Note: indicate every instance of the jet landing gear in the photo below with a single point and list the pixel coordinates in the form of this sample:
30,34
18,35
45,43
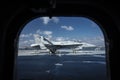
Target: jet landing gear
74,51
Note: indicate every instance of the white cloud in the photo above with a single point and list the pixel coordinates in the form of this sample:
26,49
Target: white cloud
55,19
25,40
39,31
69,28
96,40
46,20
30,34
49,37
23,43
60,39
47,32
25,35
31,41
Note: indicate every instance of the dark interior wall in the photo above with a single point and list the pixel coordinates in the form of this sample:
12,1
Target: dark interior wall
14,14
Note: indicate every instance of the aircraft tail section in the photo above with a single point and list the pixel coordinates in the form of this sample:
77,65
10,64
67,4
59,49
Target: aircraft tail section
39,40
49,42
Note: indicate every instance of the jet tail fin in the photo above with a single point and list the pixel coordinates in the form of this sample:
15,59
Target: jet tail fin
39,40
48,41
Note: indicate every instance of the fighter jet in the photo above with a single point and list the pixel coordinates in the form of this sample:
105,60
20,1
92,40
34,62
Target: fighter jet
53,46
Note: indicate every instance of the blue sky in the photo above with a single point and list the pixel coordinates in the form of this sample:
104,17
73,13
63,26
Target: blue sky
62,28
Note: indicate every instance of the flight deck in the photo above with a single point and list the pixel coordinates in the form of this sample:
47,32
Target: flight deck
65,65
